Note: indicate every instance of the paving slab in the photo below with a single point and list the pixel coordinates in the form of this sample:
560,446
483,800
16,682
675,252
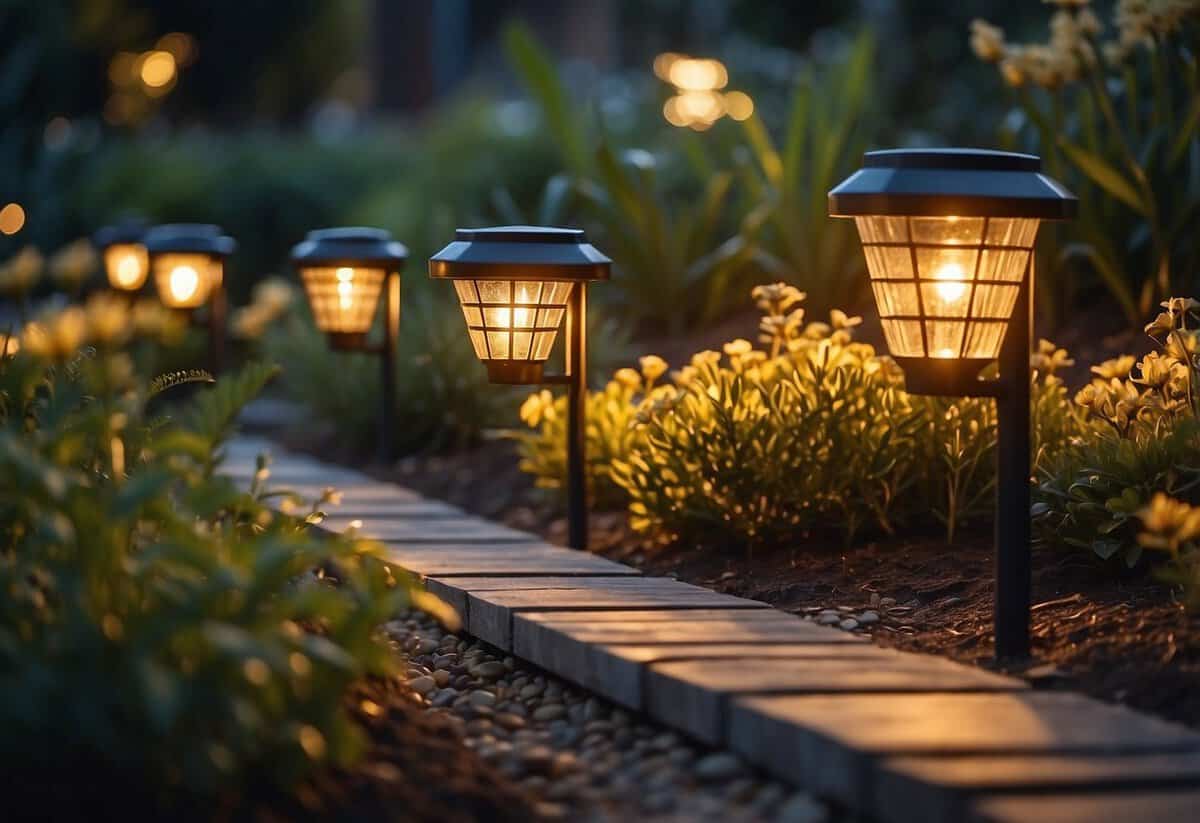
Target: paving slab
366,491
510,560
693,695
490,613
391,509
1176,806
833,744
446,530
941,789
618,672
457,590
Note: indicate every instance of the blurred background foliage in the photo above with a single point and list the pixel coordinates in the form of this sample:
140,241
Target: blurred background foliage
419,116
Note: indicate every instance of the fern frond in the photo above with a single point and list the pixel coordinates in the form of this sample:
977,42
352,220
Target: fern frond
171,379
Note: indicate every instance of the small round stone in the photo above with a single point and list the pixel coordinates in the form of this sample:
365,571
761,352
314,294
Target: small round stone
848,624
868,617
550,711
489,670
423,684
482,698
441,677
509,720
718,767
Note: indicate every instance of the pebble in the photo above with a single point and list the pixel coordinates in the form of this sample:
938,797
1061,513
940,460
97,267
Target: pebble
441,677
829,618
510,721
550,711
802,808
444,698
482,698
718,767
489,670
868,617
848,624
422,685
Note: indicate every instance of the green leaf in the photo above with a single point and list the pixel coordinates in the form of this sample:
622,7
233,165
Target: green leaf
536,69
1104,175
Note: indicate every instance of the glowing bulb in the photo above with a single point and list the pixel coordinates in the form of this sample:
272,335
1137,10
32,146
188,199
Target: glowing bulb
503,319
345,287
184,282
129,270
944,353
953,289
521,318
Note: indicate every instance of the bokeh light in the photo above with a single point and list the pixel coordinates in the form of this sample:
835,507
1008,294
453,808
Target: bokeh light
157,69
12,218
698,102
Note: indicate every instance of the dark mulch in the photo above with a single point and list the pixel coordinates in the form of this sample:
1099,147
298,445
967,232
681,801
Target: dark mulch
416,770
1116,634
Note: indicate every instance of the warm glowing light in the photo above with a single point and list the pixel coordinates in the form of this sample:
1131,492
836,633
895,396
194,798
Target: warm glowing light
126,266
512,321
181,46
12,218
157,68
946,286
184,282
738,105
698,74
344,299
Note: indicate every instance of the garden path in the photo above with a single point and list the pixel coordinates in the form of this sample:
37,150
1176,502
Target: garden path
893,735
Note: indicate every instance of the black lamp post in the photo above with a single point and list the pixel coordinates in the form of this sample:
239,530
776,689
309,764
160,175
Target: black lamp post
126,263
948,235
345,271
516,283
188,264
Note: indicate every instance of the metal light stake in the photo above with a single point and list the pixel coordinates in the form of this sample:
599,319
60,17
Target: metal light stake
949,235
516,284
187,261
345,272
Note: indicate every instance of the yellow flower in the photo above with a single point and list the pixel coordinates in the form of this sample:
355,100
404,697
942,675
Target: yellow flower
153,320
274,294
1168,523
1157,370
653,367
628,378
987,41
20,274
107,320
1163,324
250,322
71,265
56,336
708,357
841,321
1048,358
537,407
738,347
1118,367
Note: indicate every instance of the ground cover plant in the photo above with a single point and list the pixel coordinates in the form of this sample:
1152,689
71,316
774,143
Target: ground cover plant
160,623
757,446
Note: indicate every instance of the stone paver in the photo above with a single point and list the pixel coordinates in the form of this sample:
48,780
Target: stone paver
940,790
1176,806
897,736
833,744
693,695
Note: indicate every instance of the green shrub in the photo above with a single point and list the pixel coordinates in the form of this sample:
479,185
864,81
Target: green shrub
1173,527
813,432
161,629
1143,438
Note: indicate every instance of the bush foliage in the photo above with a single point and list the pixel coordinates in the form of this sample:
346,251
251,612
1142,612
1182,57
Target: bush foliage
161,628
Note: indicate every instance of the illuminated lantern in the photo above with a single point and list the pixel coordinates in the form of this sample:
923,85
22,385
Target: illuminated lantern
187,260
516,285
126,262
948,236
345,271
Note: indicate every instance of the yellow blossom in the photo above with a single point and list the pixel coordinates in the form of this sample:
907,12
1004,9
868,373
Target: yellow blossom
738,347
21,273
653,367
107,320
628,378
1168,523
72,264
1118,367
537,407
987,41
57,336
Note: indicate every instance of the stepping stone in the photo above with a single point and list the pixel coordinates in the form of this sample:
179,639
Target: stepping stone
1163,806
618,672
447,530
457,590
297,474
490,613
390,510
693,695
534,559
366,491
833,744
940,790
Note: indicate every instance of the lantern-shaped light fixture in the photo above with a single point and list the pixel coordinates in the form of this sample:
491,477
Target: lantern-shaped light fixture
344,271
126,263
515,284
187,260
948,235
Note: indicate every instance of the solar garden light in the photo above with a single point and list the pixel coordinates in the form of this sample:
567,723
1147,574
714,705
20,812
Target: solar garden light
345,271
188,262
516,283
948,235
126,263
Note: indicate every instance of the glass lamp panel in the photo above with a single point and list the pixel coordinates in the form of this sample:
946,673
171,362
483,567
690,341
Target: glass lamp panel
889,262
185,280
127,266
984,339
948,298
511,320
945,337
994,301
344,299
1004,264
896,299
947,264
904,337
955,231
1020,231
880,229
